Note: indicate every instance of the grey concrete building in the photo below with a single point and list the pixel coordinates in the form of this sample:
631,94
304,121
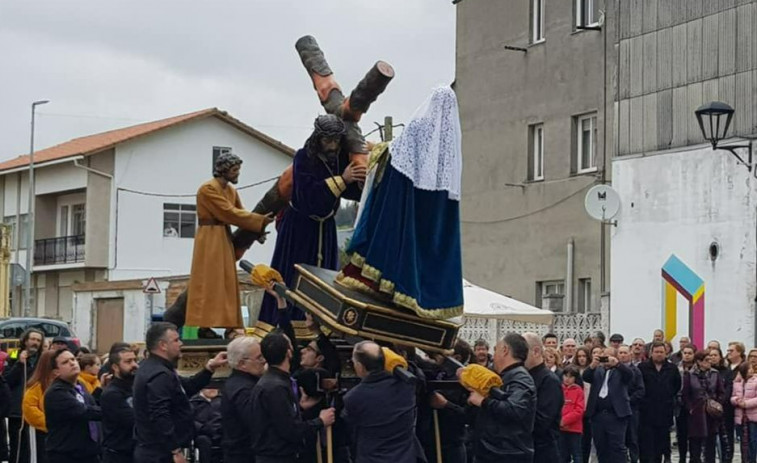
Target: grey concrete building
675,55
536,137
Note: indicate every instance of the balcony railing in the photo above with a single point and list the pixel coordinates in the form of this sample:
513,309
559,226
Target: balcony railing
61,250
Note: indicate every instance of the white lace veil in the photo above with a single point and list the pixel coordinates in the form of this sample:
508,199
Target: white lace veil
429,151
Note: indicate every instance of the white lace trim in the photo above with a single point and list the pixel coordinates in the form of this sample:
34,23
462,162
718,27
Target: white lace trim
429,150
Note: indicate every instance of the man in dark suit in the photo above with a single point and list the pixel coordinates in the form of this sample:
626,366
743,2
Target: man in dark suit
635,395
248,365
278,429
662,381
381,411
549,402
609,406
163,424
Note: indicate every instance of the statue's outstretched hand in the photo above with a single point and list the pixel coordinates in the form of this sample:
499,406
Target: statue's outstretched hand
354,173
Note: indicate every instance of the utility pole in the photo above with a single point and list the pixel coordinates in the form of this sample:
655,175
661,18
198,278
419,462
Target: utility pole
388,128
30,216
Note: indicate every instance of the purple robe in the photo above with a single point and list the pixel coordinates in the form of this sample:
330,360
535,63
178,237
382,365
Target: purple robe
307,228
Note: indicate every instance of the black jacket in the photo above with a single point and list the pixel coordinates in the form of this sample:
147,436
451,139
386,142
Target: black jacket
118,417
380,413
5,400
277,428
660,391
620,377
68,413
504,428
207,418
636,388
161,405
549,402
16,379
236,412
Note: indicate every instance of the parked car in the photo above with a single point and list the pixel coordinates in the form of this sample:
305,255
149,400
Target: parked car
12,328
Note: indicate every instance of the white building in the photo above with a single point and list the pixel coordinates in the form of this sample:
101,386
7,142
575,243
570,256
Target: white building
695,210
120,205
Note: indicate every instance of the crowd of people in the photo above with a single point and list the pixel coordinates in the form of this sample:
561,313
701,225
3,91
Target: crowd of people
552,402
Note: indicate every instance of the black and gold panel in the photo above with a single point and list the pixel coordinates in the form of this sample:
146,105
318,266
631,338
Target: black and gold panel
356,314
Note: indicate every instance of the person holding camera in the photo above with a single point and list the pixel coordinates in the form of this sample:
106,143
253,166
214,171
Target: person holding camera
703,396
609,407
18,371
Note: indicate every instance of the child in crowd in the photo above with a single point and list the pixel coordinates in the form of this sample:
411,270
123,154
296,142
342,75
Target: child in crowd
571,425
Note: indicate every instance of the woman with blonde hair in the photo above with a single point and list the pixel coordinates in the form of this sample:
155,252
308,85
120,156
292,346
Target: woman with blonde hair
553,360
33,405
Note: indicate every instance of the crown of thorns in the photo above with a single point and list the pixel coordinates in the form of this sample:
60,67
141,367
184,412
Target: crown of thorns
329,126
224,162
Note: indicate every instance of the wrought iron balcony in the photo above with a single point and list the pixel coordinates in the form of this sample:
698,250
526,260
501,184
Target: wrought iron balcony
61,250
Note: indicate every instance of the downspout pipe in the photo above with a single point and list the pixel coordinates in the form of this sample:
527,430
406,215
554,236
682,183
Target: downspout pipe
569,308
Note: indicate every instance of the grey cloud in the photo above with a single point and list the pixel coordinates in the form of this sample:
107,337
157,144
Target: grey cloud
141,60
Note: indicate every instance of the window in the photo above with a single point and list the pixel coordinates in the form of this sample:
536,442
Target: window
584,295
586,143
536,152
63,230
537,21
553,292
586,13
11,220
78,219
217,151
179,220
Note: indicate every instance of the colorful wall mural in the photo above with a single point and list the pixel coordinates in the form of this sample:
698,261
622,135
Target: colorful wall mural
678,278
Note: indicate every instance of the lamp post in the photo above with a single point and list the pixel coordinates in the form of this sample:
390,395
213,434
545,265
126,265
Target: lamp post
714,120
30,219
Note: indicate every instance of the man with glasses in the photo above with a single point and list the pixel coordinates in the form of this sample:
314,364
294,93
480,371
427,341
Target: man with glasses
637,351
248,365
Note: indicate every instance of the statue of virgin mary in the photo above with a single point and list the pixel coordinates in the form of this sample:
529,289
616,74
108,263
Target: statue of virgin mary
406,244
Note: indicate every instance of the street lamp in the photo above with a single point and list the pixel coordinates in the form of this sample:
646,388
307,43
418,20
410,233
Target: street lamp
714,121
30,219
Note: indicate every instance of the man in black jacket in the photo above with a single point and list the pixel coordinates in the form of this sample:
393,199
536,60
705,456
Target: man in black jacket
662,381
381,411
609,406
549,402
117,408
18,370
635,395
248,365
163,416
70,415
504,428
277,427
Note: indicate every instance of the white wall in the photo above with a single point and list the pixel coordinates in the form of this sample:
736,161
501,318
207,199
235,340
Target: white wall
136,312
177,161
678,203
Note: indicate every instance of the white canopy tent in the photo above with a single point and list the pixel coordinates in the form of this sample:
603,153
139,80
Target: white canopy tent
480,302
488,315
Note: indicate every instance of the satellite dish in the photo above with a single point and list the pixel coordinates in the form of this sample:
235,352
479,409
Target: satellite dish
602,202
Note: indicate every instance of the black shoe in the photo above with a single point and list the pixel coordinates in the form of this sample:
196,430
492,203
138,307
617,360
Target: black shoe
207,333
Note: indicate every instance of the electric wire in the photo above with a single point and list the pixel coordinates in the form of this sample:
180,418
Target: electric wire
192,195
527,214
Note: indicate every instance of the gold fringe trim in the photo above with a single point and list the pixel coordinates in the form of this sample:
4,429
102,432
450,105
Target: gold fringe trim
388,287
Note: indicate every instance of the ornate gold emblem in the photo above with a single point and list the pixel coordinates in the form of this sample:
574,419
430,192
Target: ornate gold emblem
350,317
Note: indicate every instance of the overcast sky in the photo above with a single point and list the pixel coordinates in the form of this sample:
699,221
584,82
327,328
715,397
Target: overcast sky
110,64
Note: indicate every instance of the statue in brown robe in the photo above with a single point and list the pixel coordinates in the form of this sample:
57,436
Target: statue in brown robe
213,293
